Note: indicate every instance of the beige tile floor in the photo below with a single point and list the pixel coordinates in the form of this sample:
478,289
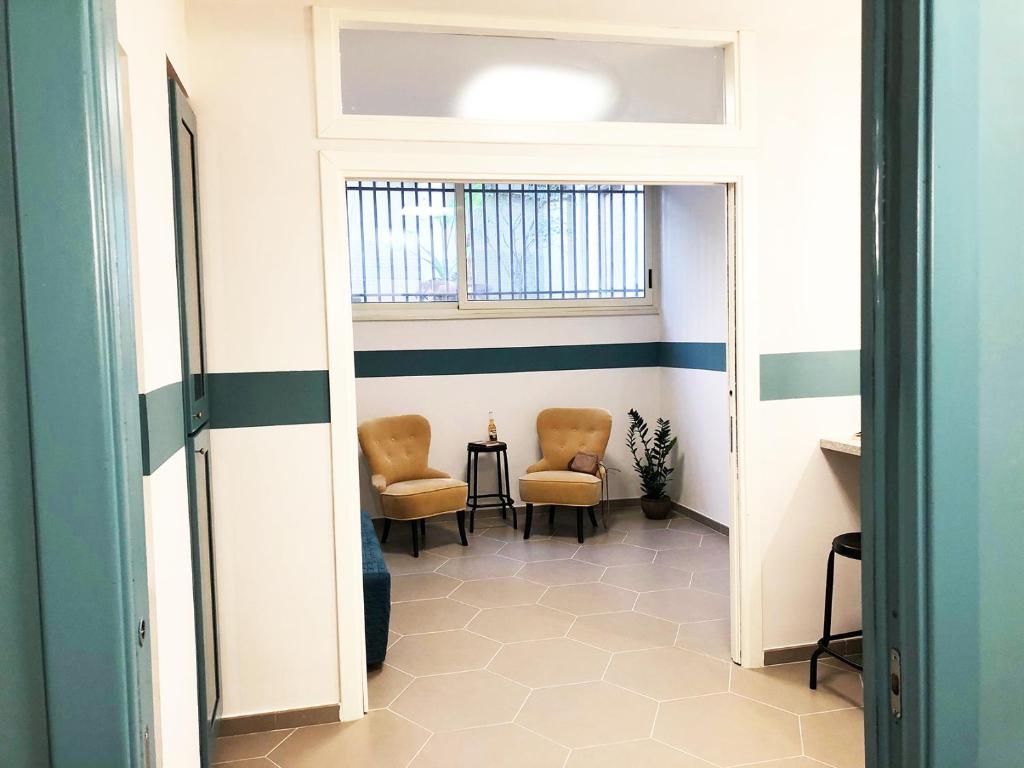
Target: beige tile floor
546,654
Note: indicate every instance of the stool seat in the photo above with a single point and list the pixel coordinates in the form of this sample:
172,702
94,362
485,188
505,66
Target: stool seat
847,545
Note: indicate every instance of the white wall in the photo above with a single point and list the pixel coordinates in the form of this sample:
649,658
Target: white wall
252,88
693,229
149,34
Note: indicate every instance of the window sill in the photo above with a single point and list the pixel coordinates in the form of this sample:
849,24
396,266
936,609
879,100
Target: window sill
362,313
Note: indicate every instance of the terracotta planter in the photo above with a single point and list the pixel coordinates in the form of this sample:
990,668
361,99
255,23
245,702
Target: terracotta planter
656,509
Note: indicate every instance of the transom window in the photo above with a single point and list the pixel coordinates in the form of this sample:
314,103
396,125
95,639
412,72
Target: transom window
498,246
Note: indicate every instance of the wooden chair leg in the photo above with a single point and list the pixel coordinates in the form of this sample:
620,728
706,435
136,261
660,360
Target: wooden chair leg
460,516
415,538
386,532
593,517
579,524
529,521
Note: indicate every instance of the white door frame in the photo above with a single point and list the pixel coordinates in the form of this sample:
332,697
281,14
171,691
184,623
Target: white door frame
475,162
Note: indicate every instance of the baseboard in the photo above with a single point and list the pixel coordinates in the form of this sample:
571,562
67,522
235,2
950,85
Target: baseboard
275,721
714,525
803,652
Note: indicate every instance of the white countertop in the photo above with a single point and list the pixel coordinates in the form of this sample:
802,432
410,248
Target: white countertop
849,444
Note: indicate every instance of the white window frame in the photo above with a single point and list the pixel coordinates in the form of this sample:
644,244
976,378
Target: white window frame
466,308
332,123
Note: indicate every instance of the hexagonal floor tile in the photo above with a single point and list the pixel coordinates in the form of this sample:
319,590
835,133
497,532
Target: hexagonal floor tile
420,616
584,599
683,605
786,762
483,567
516,623
421,586
646,752
712,581
614,554
836,738
495,593
507,533
663,539
477,546
556,573
689,525
248,746
381,739
393,637
536,551
715,542
543,663
441,652
646,578
588,714
462,700
624,631
496,746
634,520
668,673
728,730
384,684
402,563
710,637
565,530
785,686
694,560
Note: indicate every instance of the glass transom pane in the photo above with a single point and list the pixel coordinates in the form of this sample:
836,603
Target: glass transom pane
474,76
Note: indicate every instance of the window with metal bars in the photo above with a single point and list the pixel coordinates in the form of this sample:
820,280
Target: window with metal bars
487,245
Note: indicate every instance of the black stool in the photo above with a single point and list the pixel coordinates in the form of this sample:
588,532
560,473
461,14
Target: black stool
844,545
504,494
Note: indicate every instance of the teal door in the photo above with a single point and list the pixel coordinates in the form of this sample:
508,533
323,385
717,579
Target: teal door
23,732
69,276
943,382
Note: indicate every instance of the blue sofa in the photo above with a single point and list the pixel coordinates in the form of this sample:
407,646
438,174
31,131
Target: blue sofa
376,595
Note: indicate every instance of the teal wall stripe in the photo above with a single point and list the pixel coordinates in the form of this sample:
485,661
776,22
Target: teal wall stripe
272,398
268,398
792,375
453,362
698,355
163,425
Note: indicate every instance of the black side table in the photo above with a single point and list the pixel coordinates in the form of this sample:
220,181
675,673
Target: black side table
504,494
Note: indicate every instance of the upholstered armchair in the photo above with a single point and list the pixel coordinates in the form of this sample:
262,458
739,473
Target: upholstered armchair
396,449
564,432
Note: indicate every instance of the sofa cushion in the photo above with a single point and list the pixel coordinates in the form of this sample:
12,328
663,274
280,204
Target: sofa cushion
573,489
413,499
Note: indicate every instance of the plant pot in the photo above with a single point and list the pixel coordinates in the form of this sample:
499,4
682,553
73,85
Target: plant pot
656,509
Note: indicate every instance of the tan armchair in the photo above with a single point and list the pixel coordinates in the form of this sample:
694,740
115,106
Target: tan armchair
564,432
396,448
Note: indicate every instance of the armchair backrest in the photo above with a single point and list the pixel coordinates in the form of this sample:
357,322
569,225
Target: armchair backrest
564,432
396,447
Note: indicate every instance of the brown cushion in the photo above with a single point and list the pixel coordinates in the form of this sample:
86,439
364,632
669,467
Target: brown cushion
413,499
572,489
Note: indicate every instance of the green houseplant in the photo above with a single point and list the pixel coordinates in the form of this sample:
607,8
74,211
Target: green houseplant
651,453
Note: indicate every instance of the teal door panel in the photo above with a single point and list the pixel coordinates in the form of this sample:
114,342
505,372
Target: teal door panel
83,393
23,731
943,382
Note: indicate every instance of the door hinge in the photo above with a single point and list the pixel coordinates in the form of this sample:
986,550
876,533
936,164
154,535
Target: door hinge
146,752
142,631
650,278
895,684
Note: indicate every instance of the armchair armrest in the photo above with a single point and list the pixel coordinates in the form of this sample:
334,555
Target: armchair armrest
379,482
540,466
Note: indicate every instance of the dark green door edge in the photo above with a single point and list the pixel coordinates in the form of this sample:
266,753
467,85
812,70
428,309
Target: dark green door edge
83,392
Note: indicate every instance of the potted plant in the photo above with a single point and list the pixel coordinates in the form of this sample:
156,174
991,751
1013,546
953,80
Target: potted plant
650,460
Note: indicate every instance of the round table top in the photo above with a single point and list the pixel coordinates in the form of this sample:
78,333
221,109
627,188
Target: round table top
486,446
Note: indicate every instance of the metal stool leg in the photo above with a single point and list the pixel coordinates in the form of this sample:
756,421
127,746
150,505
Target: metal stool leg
476,490
508,491
529,521
501,487
826,635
